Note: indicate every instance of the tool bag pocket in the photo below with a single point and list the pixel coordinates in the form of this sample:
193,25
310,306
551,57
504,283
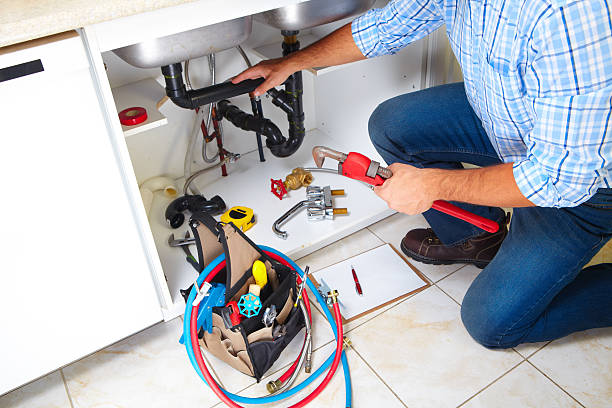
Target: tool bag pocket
246,344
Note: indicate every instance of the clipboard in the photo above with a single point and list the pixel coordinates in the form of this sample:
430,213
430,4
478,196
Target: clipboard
385,277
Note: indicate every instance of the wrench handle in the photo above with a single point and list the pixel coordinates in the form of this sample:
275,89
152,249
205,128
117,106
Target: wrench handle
454,211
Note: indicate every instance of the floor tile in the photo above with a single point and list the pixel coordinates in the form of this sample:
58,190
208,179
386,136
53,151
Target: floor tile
457,284
392,229
46,392
353,324
149,369
354,244
421,350
582,365
234,380
523,387
529,349
368,390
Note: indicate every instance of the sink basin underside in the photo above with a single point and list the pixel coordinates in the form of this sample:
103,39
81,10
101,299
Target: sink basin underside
312,13
187,45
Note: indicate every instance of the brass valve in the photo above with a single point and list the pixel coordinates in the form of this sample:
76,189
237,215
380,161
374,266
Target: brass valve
298,178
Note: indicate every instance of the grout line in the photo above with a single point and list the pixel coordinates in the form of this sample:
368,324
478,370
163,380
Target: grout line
442,290
538,349
451,273
211,368
378,376
490,384
66,388
408,258
453,299
551,380
377,236
384,311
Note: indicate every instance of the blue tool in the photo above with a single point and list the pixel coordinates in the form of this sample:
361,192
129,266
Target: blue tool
249,305
215,297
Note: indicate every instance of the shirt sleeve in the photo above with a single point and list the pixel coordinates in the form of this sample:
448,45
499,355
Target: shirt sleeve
387,30
569,80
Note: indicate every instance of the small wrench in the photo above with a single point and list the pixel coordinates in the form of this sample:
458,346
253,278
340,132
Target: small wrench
184,244
180,242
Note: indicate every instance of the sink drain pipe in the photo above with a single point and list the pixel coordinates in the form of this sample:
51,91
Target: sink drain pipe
289,100
194,98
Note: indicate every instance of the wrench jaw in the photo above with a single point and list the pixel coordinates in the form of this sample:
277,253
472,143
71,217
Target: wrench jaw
353,165
319,153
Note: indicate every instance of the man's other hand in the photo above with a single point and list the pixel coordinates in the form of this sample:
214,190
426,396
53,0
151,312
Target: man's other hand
409,190
276,71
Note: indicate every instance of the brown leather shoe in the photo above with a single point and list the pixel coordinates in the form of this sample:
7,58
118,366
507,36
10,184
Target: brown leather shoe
424,246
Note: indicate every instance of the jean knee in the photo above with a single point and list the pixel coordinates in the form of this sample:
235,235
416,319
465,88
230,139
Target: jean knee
486,326
378,124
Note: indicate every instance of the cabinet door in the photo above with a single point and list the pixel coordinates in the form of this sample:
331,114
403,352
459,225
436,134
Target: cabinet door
74,275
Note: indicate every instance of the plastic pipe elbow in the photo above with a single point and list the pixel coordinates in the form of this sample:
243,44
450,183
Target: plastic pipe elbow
150,186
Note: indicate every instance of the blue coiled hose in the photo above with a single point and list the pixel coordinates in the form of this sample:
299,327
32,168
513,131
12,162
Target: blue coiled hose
297,388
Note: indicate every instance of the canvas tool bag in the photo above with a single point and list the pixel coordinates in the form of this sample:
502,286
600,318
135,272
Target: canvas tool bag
250,346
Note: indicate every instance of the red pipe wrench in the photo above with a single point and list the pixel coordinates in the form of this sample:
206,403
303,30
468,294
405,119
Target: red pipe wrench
359,167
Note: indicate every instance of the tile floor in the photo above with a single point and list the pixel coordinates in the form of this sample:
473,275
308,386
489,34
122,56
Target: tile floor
430,361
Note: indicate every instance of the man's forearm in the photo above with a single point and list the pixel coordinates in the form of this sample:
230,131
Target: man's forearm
492,186
337,48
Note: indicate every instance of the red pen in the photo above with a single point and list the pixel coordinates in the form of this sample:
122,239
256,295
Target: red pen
357,284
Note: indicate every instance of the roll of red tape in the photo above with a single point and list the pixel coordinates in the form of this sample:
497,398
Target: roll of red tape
132,116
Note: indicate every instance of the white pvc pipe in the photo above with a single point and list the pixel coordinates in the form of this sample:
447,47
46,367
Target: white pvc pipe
150,186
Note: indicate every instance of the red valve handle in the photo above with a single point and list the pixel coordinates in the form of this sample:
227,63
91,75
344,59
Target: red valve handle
454,211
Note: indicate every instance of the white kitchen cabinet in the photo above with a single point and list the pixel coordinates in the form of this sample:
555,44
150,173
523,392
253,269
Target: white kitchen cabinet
75,276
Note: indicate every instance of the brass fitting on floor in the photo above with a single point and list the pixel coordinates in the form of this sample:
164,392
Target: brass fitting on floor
308,366
347,343
333,295
297,179
272,386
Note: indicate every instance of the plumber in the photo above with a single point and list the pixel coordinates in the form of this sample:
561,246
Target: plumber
534,113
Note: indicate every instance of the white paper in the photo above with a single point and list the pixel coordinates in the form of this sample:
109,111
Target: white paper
383,276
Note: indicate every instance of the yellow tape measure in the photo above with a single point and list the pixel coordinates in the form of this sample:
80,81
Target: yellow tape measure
241,217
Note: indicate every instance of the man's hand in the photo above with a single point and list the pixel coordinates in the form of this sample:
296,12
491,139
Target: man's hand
412,190
335,49
276,71
409,190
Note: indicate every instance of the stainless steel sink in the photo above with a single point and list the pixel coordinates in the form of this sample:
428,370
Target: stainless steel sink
312,13
187,45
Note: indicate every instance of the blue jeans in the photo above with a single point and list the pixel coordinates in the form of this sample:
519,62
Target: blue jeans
535,289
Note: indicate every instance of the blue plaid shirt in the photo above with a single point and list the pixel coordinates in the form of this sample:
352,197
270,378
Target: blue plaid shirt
538,73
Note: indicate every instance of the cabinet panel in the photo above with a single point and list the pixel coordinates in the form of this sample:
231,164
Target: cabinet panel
74,273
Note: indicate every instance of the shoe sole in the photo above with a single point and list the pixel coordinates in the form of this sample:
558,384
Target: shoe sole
432,261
